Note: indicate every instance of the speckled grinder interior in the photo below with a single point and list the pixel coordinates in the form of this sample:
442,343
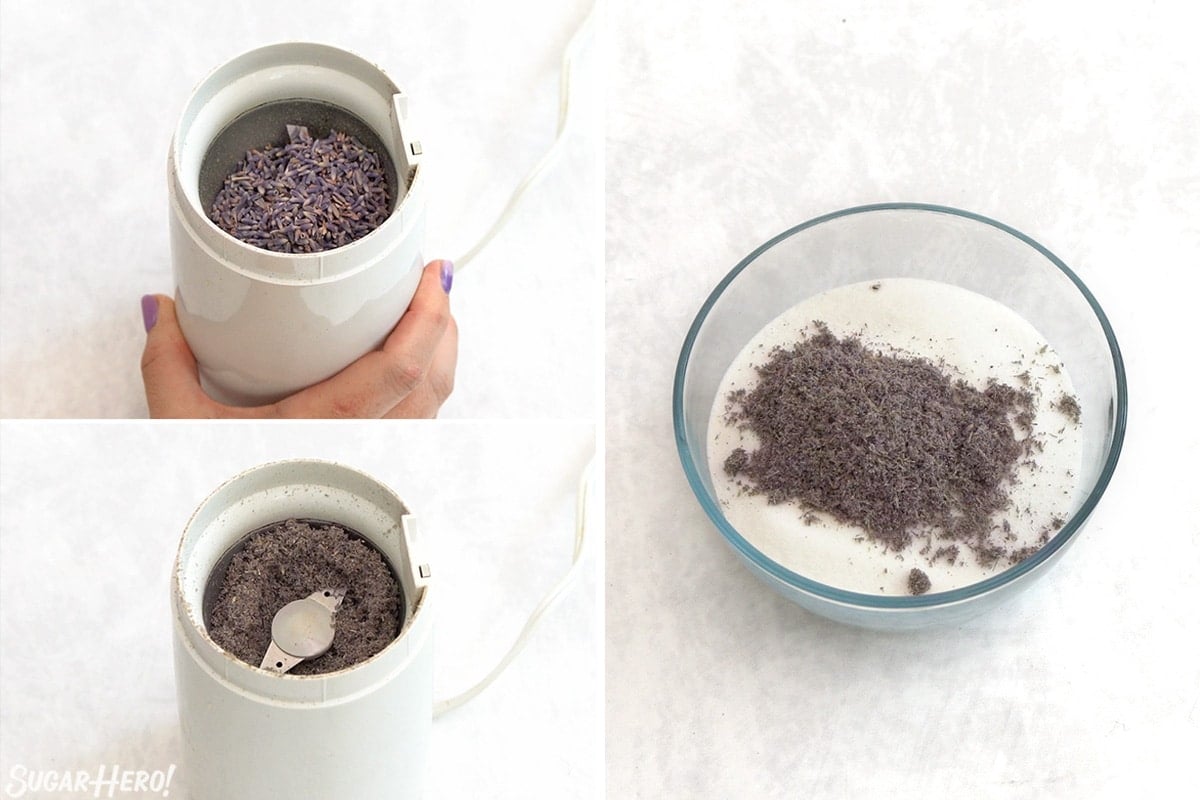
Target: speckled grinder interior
266,126
216,578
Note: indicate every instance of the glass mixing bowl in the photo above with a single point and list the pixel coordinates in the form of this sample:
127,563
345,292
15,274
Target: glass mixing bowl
904,240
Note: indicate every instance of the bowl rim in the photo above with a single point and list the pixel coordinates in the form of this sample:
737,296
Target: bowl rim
896,603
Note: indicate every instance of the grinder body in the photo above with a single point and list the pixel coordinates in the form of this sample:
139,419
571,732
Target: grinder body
250,733
261,324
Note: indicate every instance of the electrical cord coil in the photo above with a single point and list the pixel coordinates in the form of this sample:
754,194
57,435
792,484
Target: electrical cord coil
581,511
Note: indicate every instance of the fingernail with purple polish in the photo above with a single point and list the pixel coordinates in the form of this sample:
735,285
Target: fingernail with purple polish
447,275
150,311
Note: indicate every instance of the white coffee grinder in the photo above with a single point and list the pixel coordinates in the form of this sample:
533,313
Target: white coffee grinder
257,730
265,324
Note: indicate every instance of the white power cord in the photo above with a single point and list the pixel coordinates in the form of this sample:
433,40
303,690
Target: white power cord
531,179
581,497
539,169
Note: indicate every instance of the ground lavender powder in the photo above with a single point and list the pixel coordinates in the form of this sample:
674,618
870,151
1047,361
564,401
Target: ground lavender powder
892,445
918,581
290,560
305,196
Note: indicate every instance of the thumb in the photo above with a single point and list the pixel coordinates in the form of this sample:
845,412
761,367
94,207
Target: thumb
168,367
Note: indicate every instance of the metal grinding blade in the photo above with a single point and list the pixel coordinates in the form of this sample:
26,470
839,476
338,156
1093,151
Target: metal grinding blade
302,629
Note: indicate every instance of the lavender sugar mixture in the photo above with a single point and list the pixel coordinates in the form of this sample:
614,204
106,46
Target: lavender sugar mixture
889,444
290,560
306,196
923,439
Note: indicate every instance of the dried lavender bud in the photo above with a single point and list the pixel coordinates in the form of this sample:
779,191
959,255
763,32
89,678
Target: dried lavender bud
891,445
306,196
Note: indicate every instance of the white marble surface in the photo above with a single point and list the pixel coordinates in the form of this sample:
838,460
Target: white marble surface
90,518
90,94
730,122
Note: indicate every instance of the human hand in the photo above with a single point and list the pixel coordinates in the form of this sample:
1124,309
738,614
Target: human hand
409,377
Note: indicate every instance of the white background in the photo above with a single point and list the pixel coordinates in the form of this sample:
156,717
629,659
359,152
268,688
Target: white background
91,515
1077,124
90,94
727,123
